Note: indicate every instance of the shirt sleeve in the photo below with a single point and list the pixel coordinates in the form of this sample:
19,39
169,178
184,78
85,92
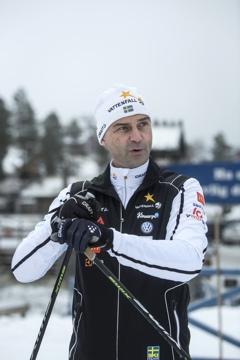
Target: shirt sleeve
179,257
36,254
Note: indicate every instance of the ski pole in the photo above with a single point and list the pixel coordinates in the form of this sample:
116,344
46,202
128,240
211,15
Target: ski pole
51,303
143,311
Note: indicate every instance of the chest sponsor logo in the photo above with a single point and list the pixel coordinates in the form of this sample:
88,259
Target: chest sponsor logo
140,215
153,353
147,227
157,205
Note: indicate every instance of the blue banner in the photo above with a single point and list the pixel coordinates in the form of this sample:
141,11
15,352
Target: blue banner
220,180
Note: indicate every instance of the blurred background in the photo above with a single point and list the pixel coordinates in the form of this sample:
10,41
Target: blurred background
56,58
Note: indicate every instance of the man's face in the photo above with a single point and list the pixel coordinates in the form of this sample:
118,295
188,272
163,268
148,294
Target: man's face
129,141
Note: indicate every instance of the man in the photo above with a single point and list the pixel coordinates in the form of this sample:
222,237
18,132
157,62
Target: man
151,231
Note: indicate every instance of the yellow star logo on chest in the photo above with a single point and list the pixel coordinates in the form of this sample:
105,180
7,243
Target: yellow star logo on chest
149,197
125,94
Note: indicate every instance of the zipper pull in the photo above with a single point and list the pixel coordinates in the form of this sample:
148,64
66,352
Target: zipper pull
121,217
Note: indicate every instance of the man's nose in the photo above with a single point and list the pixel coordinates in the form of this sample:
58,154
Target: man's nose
135,135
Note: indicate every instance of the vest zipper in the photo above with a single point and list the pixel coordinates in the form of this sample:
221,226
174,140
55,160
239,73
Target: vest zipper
177,325
119,278
125,191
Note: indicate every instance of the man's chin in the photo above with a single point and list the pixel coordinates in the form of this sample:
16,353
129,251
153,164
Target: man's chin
137,159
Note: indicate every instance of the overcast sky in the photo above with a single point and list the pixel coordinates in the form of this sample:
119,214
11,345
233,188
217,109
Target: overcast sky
183,55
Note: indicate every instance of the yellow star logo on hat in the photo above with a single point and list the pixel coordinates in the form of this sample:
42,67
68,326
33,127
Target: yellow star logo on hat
149,197
125,94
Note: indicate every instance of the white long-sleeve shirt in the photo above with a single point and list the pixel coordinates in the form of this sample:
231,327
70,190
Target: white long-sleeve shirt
179,257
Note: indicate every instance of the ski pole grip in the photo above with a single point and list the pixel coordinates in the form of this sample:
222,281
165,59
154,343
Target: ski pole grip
89,254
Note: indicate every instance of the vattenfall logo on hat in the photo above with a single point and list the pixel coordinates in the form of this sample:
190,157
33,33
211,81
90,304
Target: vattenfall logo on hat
128,98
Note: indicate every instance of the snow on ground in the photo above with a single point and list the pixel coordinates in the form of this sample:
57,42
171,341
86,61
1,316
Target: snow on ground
204,344
18,334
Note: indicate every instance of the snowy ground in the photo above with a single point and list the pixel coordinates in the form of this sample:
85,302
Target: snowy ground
18,334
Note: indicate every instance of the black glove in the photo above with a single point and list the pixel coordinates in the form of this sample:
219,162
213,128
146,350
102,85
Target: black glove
81,205
81,233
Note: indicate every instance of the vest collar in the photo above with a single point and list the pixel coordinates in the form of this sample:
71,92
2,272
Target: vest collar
102,183
134,176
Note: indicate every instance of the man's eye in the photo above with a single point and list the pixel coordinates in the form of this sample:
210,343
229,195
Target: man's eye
122,128
142,124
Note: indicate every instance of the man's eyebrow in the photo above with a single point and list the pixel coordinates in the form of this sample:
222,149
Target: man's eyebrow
129,123
120,124
144,118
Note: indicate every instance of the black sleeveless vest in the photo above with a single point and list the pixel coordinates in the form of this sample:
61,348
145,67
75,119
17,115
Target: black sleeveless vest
106,326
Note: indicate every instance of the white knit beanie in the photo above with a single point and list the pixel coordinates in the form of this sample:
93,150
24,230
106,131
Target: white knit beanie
116,103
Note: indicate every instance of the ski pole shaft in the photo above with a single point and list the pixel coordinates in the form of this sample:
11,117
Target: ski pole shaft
138,306
51,303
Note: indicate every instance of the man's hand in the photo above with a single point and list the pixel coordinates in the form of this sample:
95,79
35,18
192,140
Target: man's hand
81,233
81,205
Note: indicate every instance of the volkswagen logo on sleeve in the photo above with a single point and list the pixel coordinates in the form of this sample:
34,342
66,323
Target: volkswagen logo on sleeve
147,227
